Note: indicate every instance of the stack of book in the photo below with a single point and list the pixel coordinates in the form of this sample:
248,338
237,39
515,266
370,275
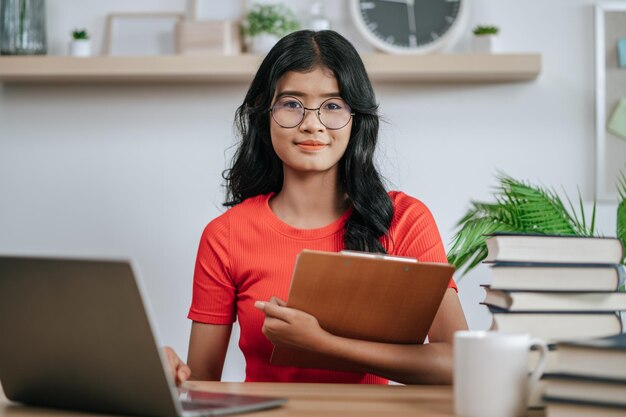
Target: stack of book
590,379
557,288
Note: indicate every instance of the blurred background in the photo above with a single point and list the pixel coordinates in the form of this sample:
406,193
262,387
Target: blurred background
133,170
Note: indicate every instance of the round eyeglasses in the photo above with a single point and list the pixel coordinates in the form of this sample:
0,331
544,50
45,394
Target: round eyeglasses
289,112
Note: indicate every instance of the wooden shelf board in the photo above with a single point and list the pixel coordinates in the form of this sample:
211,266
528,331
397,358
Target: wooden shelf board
241,68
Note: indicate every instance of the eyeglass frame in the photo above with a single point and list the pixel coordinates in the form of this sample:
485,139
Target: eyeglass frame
318,113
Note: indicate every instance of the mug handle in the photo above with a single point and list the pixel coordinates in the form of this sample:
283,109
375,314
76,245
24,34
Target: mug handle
541,366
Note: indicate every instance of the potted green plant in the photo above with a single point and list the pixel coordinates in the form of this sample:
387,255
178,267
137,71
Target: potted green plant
523,208
80,45
485,39
266,23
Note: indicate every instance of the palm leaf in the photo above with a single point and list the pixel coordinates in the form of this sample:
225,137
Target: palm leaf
621,211
519,208
540,210
469,247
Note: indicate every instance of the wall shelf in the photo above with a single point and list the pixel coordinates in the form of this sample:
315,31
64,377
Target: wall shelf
477,68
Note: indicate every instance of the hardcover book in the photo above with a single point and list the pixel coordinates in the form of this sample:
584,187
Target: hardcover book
554,249
554,327
528,301
590,378
575,388
600,358
570,409
556,277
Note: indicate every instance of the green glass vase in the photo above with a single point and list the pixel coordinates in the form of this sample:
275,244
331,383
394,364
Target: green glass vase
22,27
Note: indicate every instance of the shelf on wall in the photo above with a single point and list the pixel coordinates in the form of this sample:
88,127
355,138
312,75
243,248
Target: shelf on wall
479,68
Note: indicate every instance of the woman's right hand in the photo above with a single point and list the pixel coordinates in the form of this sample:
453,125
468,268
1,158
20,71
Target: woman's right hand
178,369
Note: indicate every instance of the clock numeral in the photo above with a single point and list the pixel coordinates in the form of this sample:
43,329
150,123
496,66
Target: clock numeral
449,19
390,39
413,41
452,1
434,35
368,6
372,25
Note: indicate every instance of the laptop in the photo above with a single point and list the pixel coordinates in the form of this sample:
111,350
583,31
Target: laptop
76,334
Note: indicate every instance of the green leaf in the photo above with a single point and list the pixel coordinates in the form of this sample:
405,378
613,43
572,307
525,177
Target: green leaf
518,208
621,211
485,30
275,19
79,34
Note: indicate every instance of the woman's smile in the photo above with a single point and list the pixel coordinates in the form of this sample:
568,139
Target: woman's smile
311,145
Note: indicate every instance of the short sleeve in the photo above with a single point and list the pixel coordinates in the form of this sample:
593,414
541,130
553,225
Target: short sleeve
414,233
214,293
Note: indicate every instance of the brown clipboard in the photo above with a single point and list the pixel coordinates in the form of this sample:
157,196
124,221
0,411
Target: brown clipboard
363,296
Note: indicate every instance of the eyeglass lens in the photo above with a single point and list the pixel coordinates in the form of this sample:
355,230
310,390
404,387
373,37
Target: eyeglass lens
333,113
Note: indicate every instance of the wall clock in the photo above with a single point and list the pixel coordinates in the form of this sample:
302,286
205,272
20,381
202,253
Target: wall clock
410,26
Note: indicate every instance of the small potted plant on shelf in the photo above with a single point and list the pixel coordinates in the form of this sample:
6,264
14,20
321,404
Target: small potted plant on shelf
485,39
80,45
265,24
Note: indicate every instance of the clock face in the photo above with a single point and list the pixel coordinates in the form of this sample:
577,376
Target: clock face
407,25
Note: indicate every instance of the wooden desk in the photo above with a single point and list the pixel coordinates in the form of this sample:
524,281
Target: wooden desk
311,400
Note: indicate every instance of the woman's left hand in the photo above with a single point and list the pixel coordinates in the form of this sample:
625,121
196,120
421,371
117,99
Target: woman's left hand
287,326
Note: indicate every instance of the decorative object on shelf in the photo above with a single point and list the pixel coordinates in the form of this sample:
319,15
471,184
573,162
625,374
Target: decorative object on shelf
621,52
23,27
317,20
410,26
208,30
617,122
80,45
208,37
486,40
610,149
265,24
150,33
524,208
200,10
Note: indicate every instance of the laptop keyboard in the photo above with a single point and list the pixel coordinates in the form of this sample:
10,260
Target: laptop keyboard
202,405
201,400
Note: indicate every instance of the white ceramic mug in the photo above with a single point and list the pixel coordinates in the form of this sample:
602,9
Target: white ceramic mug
491,373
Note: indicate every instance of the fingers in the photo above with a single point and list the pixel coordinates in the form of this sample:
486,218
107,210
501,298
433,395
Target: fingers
172,360
182,373
179,371
278,301
274,310
273,327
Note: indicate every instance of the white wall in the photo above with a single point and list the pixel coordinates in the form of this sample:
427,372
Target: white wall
134,171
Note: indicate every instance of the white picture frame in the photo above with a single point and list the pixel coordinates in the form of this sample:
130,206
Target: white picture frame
140,34
201,10
610,150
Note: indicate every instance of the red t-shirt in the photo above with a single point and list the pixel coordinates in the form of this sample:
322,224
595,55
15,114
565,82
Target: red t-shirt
248,254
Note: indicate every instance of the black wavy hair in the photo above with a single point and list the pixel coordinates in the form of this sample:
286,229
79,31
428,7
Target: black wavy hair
256,169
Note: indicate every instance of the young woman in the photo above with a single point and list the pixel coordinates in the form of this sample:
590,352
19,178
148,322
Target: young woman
303,177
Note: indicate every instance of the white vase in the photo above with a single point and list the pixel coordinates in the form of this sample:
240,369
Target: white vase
261,44
485,44
80,47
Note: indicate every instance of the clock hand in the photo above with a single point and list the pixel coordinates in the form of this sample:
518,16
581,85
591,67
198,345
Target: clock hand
410,4
396,1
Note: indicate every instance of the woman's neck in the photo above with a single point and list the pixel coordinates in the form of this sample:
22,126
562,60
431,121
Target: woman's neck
309,200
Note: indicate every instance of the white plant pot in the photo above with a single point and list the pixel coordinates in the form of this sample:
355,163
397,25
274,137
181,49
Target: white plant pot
261,44
485,44
80,47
